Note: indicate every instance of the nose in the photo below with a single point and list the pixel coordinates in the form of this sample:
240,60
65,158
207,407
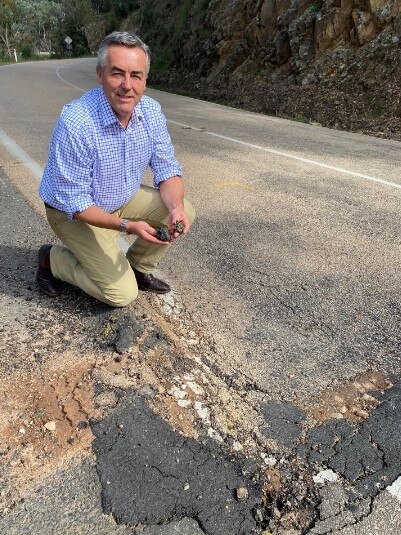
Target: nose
126,82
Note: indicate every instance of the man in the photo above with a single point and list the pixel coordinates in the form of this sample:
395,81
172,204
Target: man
101,147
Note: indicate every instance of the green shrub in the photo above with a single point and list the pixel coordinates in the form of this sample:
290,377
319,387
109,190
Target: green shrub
162,60
183,15
300,119
79,51
315,7
26,51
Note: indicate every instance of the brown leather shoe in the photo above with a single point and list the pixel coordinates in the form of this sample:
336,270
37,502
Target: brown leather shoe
148,283
44,276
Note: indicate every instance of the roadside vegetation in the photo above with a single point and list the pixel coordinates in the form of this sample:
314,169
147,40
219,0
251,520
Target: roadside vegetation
33,29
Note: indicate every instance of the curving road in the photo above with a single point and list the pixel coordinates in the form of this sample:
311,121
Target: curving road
292,268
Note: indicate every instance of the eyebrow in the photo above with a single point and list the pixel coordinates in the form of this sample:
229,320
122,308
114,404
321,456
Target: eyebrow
117,69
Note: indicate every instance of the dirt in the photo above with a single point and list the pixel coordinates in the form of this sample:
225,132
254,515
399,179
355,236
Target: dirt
60,373
353,400
61,395
374,112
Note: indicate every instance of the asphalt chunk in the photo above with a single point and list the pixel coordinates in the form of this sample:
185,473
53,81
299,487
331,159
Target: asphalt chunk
151,475
128,330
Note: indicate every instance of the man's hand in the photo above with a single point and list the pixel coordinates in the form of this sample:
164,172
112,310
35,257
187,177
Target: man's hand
172,194
99,218
178,214
144,231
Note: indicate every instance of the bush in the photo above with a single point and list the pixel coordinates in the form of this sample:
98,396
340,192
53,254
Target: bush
314,8
26,51
80,50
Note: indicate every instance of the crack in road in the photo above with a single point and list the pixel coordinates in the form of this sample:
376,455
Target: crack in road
368,457
296,502
308,322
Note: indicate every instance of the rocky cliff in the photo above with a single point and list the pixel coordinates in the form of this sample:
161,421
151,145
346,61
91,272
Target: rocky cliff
335,62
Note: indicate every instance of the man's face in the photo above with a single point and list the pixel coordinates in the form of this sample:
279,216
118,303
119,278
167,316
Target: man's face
123,79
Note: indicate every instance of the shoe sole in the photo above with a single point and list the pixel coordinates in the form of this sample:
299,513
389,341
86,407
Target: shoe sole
49,294
153,291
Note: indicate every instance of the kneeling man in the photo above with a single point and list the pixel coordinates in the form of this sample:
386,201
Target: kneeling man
92,184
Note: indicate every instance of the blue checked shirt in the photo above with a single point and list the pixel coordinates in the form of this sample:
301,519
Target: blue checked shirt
94,160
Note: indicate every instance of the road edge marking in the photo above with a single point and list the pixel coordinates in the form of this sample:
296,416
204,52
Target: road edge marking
65,81
290,156
21,155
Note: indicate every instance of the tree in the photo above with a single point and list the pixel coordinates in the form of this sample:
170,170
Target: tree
81,23
7,16
37,21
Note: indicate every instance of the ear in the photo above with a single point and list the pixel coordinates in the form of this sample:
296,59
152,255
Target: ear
99,75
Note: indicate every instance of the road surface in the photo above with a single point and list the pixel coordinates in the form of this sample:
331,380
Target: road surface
286,291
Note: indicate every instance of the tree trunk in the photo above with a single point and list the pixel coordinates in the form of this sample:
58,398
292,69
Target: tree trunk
6,41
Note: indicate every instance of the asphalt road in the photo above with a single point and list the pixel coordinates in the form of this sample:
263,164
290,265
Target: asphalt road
292,265
290,274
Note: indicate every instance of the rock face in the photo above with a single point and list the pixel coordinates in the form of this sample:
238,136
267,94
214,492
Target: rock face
346,45
301,40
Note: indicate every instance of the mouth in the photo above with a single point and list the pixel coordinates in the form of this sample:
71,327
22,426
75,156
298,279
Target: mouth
125,97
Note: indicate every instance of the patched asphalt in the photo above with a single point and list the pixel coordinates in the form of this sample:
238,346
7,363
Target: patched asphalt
151,475
368,456
127,332
366,459
284,422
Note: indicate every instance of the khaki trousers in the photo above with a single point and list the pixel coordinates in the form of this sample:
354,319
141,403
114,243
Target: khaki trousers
92,258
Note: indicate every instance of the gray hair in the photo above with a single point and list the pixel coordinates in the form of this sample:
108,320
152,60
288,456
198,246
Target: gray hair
130,40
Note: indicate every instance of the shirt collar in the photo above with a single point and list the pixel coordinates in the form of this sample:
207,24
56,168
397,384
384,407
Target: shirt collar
107,115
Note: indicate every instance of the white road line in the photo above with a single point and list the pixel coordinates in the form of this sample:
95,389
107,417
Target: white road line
395,489
65,81
21,155
291,156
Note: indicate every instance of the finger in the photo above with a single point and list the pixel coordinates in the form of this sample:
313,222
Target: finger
153,239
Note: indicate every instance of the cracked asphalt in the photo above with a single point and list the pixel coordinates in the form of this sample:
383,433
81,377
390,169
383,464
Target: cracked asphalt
367,458
263,396
150,474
